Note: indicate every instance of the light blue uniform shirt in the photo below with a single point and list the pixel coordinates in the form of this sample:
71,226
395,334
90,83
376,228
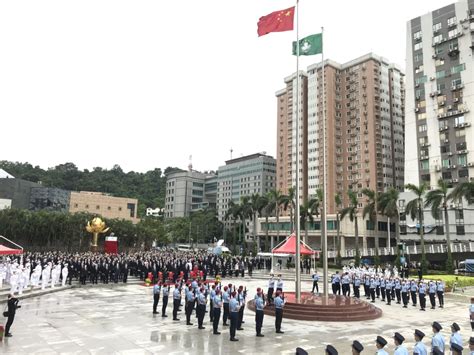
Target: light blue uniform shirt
189,296
225,297
315,277
156,289
456,339
381,352
420,349
259,303
437,341
336,279
422,289
279,303
400,350
404,288
176,294
440,287
357,282
166,291
233,305
201,299
217,301
432,288
414,288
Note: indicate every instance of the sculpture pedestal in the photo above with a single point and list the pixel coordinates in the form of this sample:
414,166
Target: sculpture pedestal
94,248
319,308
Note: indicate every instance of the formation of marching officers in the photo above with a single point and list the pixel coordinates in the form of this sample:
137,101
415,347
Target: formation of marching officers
438,345
387,289
228,300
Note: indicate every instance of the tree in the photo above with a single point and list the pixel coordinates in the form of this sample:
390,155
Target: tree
415,209
233,213
267,211
438,199
307,211
388,206
370,209
288,201
257,204
276,198
338,201
352,211
463,190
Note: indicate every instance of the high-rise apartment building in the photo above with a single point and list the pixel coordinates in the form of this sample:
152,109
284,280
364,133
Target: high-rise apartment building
440,91
364,128
244,176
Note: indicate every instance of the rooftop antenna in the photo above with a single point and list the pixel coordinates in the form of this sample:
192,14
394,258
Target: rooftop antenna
190,166
231,150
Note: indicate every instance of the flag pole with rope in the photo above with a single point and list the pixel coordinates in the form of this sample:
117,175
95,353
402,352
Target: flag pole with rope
324,235
297,200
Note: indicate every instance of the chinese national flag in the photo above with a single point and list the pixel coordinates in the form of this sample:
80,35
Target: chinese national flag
277,21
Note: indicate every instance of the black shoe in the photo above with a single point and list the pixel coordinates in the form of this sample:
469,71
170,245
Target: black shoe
260,335
404,306
240,328
372,301
234,339
175,318
155,313
398,302
422,309
225,324
189,323
433,307
280,332
216,333
8,335
164,315
243,322
388,304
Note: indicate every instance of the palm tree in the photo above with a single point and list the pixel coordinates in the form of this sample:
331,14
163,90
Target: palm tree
338,201
276,198
267,210
289,201
463,190
257,203
233,213
438,199
388,206
415,209
245,212
351,211
370,209
307,211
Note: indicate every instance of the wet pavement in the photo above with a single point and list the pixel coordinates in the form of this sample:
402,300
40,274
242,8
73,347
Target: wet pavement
119,320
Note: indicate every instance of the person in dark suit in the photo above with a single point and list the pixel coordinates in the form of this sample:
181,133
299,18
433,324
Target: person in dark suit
12,307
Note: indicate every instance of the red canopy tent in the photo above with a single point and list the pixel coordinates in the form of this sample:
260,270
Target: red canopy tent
9,251
289,247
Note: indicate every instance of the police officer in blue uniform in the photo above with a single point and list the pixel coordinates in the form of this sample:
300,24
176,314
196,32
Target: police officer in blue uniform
217,305
336,283
440,293
331,350
456,349
400,349
259,305
419,348
156,296
432,294
356,286
380,342
201,307
176,301
166,292
357,348
190,299
234,314
405,297
413,291
422,295
279,304
437,341
225,301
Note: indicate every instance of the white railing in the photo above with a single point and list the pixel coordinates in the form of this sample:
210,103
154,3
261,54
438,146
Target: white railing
409,249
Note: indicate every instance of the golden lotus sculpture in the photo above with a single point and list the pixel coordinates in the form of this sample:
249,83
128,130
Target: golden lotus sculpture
96,227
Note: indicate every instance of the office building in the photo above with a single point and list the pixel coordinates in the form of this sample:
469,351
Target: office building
189,191
439,96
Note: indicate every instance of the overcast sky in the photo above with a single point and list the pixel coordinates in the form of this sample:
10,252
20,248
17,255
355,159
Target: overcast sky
146,84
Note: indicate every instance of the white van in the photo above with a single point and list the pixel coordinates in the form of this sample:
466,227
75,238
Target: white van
184,247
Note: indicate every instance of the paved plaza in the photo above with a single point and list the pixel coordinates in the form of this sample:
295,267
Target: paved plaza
118,320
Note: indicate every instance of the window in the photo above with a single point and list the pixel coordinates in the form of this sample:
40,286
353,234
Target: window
418,57
421,116
436,39
417,35
459,120
458,68
453,33
463,173
443,124
440,74
452,21
439,62
460,133
447,175
425,164
438,50
441,86
461,146
456,82
418,46
462,159
437,26
421,80
446,163
422,128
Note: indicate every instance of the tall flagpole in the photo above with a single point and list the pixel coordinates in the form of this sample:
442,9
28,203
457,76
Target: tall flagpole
324,234
297,165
